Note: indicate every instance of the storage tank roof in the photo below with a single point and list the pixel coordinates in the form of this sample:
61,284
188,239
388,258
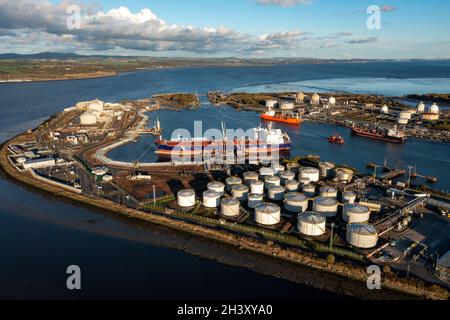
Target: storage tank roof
296,196
326,201
312,217
268,208
363,229
186,192
356,208
230,202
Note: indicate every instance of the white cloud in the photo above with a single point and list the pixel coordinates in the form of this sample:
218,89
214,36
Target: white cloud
282,3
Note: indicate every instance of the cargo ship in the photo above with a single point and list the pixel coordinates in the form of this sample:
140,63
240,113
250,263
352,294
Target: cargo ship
260,140
389,135
285,117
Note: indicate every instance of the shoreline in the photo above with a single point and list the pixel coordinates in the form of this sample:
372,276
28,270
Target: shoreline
242,242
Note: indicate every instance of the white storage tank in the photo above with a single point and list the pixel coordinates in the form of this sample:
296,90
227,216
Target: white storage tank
363,236
328,192
402,121
250,177
217,186
405,115
332,101
315,99
309,190
240,192
277,168
272,181
311,224
268,214
326,207
257,187
311,173
300,97
264,172
348,197
88,118
344,175
355,213
296,202
287,176
276,193
211,199
230,207
326,169
186,198
292,186
232,181
255,200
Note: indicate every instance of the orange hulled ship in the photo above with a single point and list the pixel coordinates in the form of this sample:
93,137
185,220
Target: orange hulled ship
280,116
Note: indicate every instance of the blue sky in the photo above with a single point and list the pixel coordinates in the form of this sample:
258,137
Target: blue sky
322,28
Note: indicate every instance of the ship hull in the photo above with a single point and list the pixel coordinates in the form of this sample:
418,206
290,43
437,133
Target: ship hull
377,137
283,120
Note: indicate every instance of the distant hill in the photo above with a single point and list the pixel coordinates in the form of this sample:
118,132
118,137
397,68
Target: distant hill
53,55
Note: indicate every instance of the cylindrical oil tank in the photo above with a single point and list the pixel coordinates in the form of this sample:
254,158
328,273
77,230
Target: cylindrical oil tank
211,199
276,193
240,192
287,176
230,207
257,187
326,169
403,121
309,190
328,192
292,167
264,172
304,181
326,207
277,168
186,198
311,173
296,202
311,224
363,236
272,181
254,200
405,115
344,175
355,213
292,186
250,177
232,181
216,186
348,197
268,214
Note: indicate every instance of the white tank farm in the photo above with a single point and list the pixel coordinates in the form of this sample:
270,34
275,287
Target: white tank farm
287,106
344,175
216,186
277,168
250,177
326,207
292,186
276,193
328,192
326,169
257,187
271,103
268,214
311,224
240,192
355,213
348,197
363,236
186,198
230,207
211,199
287,176
264,172
272,181
255,200
311,173
88,118
232,181
296,202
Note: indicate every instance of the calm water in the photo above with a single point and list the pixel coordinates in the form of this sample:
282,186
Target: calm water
41,235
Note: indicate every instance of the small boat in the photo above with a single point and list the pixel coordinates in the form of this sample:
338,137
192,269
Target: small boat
336,139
